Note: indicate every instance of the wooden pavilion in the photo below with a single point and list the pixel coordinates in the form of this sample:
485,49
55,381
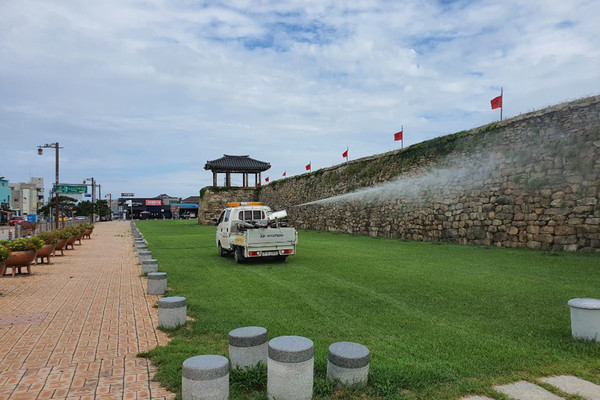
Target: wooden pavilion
237,165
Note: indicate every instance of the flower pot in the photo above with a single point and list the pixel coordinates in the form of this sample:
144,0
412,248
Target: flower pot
87,233
19,259
60,245
78,237
70,242
46,251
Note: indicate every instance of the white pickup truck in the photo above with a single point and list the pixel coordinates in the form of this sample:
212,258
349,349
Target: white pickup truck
250,230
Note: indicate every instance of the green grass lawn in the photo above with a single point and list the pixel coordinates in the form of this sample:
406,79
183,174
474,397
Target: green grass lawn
440,320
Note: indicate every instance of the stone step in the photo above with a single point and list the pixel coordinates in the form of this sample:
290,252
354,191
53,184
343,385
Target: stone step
523,390
574,385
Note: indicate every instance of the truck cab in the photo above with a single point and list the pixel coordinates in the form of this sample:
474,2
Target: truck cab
251,230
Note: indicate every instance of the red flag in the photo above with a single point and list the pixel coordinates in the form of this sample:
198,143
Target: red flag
284,173
308,166
398,136
496,102
345,154
267,179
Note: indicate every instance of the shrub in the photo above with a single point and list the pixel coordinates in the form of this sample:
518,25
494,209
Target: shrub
4,253
88,226
62,233
24,244
48,237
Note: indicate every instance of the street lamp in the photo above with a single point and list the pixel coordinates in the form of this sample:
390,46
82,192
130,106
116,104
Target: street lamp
40,152
93,195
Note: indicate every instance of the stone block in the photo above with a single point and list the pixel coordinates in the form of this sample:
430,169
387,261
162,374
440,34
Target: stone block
149,266
205,377
144,255
157,283
290,368
172,312
348,363
585,318
248,346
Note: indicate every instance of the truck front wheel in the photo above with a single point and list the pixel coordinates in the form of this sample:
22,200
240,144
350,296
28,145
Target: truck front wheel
239,255
222,251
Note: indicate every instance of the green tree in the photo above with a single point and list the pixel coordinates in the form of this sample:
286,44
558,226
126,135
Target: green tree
65,206
87,208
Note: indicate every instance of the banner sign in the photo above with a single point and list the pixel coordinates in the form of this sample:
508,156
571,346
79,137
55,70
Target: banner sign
127,195
70,188
154,202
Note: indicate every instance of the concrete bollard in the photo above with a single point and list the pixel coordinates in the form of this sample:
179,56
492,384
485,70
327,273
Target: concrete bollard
172,312
585,318
157,283
205,378
144,255
290,368
149,266
348,363
140,246
248,346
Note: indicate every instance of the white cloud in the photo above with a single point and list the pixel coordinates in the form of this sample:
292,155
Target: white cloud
136,87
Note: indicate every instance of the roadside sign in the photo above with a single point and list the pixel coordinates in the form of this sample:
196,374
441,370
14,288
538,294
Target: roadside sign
127,195
71,188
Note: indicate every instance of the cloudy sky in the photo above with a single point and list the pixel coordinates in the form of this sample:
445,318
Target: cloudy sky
142,93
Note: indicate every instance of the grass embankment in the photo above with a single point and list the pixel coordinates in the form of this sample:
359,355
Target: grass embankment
440,320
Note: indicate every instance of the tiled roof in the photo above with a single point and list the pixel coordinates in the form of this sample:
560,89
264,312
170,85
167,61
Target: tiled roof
237,164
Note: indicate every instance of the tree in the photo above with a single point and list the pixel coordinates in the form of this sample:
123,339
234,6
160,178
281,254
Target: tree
65,206
87,208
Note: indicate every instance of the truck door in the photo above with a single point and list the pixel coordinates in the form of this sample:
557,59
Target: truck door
224,230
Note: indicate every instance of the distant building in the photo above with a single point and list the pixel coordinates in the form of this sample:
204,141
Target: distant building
146,207
5,201
27,197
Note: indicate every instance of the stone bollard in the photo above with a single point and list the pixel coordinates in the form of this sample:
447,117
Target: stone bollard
248,346
140,246
348,363
172,312
290,368
585,319
205,378
157,283
149,266
144,255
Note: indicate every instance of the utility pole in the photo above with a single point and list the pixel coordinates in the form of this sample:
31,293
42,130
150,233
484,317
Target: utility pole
93,195
40,152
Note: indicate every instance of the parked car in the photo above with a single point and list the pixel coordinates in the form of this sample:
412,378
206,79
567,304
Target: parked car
17,220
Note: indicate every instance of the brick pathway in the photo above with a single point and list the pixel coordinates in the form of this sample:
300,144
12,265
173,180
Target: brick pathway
73,328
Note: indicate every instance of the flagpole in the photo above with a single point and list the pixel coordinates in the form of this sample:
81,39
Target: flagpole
402,141
501,101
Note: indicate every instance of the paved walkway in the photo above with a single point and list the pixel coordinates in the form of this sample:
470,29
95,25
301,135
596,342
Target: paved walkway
73,328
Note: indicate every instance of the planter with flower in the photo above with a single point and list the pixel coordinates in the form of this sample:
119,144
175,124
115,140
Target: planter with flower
62,235
23,251
49,239
80,229
73,232
87,233
4,254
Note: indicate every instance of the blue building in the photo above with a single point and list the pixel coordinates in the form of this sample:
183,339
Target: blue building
5,201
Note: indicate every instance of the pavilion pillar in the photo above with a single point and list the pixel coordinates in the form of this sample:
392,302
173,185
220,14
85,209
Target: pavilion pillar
215,183
228,179
259,178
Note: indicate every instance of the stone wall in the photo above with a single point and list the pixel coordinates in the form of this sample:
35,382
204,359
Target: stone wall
214,199
530,181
